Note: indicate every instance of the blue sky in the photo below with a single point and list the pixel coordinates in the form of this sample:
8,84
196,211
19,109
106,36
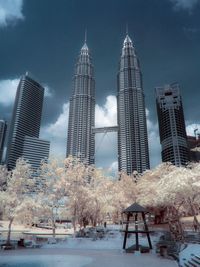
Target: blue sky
45,37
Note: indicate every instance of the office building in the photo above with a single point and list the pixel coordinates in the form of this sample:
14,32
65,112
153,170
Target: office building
173,139
3,128
80,139
133,152
26,117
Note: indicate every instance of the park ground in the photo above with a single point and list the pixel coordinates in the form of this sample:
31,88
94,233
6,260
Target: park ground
85,252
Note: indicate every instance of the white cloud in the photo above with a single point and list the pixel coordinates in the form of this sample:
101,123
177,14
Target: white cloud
8,91
106,144
106,115
58,129
184,4
113,169
191,127
47,91
154,141
10,11
56,133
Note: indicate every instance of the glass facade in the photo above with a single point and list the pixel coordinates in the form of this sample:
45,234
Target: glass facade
133,152
172,125
26,117
3,127
80,139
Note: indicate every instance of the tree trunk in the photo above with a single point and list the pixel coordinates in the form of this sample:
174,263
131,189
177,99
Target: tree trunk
196,223
74,219
54,230
175,225
74,225
9,232
53,223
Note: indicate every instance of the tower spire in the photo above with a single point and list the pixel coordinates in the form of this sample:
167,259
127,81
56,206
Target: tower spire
127,40
126,28
85,35
84,48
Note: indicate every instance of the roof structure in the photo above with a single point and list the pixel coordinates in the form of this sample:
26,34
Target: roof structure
127,41
84,47
135,207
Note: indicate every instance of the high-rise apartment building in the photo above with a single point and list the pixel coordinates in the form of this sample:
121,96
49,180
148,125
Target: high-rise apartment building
80,140
26,117
133,152
3,127
172,125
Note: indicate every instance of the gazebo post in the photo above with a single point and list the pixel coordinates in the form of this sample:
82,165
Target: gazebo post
147,231
134,210
136,233
126,231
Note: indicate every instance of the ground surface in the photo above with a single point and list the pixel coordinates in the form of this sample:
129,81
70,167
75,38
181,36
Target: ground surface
80,258
85,252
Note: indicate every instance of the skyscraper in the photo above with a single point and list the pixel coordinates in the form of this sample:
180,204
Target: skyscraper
26,117
80,141
133,152
34,151
3,127
172,125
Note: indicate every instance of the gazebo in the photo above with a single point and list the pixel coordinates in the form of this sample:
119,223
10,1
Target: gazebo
133,211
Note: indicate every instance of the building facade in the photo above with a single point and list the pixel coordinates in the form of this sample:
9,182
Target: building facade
133,152
35,150
3,128
80,139
173,139
26,117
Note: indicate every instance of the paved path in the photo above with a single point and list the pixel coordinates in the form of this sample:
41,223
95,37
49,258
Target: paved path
87,258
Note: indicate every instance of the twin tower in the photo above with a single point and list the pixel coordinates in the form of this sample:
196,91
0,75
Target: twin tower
133,152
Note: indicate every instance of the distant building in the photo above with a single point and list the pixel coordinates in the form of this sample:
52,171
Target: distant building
80,139
133,151
34,151
194,148
171,121
3,128
26,118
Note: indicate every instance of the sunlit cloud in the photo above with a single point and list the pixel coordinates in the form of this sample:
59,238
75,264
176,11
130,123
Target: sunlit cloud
10,12
184,4
8,91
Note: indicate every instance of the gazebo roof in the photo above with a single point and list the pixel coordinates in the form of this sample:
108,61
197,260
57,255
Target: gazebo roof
135,207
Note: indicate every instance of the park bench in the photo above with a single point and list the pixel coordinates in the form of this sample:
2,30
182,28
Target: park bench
192,238
194,261
31,244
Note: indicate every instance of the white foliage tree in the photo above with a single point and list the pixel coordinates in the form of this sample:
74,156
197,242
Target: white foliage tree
174,188
76,183
17,191
180,189
124,193
3,177
100,204
50,196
